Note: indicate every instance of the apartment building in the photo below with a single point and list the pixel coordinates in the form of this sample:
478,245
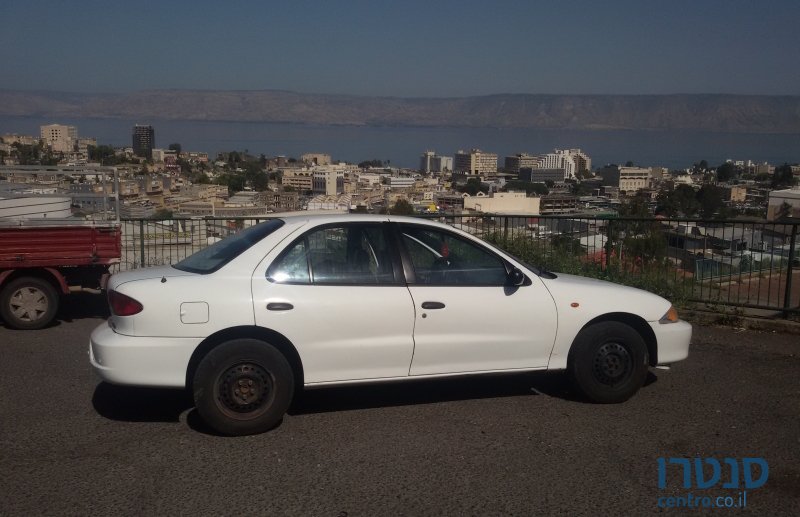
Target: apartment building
432,162
536,175
299,179
629,180
475,163
316,159
514,164
555,204
59,138
144,140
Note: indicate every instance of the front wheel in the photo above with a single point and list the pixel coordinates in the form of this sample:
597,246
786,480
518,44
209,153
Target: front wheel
243,387
28,303
608,362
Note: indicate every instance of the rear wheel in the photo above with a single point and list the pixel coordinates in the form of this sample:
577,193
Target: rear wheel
243,387
608,362
28,303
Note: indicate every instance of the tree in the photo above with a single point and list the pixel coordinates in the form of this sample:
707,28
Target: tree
641,238
678,202
629,163
700,166
581,189
711,201
529,188
402,207
473,186
784,211
161,214
371,163
726,172
635,207
234,182
783,177
175,147
260,181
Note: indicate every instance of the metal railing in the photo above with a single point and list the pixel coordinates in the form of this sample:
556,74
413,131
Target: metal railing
734,263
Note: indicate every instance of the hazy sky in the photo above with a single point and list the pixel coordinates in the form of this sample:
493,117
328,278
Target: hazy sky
405,48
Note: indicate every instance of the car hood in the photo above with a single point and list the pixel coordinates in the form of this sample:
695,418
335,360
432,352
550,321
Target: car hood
599,296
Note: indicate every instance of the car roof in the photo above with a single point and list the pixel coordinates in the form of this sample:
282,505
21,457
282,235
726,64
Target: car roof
338,218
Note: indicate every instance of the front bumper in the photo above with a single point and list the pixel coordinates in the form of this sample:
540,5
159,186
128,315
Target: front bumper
673,340
140,361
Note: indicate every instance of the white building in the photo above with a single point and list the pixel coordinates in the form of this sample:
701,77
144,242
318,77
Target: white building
503,203
778,199
475,163
59,138
432,162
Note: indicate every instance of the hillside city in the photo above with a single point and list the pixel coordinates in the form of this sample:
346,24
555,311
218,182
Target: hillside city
166,182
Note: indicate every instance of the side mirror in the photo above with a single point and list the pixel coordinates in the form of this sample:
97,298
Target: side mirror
516,277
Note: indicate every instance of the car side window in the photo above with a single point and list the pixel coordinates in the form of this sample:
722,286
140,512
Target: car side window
292,266
345,254
442,258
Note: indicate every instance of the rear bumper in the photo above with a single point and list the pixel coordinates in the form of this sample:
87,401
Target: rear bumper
140,361
673,341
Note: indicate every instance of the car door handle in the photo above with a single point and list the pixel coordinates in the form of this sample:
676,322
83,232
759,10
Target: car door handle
432,305
279,306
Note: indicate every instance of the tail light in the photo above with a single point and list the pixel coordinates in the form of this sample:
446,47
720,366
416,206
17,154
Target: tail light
122,305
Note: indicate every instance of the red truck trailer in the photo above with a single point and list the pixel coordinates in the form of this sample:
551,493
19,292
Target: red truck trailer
41,260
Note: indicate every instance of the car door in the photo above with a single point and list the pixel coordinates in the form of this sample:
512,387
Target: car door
337,294
468,318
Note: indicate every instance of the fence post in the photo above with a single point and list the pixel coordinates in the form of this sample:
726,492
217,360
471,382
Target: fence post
787,296
141,242
609,243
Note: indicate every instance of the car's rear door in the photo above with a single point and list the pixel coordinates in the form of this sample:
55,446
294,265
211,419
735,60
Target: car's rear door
337,294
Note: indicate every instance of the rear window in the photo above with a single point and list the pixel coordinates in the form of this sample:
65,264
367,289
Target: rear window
220,253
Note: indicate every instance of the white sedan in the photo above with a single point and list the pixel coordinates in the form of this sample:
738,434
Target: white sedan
314,301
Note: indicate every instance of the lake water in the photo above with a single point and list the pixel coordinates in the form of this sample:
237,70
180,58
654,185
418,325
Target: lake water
403,145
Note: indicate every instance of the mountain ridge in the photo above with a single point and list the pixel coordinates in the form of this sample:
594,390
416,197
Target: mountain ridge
703,112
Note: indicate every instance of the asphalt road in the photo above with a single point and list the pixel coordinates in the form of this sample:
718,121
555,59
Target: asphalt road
504,445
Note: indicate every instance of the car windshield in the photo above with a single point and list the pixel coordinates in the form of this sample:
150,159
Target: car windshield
220,253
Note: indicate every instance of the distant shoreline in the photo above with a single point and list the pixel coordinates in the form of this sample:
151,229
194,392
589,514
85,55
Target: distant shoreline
403,146
724,113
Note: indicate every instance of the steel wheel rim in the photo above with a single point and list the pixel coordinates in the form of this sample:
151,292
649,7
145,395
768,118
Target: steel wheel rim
29,304
613,364
245,390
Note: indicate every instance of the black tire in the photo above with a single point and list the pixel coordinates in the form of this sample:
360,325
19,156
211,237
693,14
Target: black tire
28,303
608,362
243,387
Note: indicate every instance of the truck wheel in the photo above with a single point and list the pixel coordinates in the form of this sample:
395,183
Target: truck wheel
243,387
608,362
28,303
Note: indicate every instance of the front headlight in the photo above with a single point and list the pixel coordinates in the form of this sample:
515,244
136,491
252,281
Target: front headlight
670,317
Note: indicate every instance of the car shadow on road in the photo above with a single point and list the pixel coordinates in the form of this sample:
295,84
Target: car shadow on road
81,305
417,392
136,404
78,306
